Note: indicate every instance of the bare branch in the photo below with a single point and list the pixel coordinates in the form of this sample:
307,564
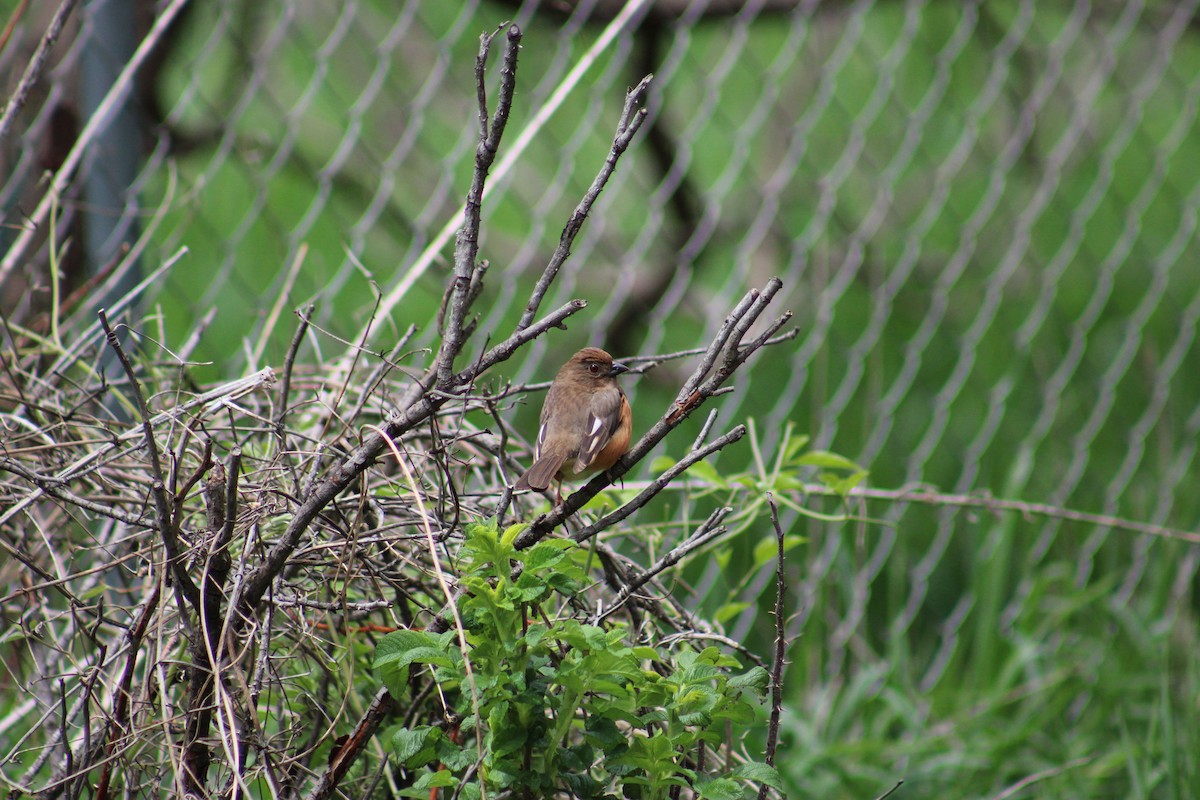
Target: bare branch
779,659
996,504
33,70
158,487
656,486
504,350
57,488
466,247
344,757
708,530
631,120
400,422
93,459
289,363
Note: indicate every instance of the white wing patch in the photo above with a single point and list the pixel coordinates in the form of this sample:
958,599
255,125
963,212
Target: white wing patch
592,444
541,440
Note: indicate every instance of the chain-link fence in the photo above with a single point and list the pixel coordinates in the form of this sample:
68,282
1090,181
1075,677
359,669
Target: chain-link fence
984,215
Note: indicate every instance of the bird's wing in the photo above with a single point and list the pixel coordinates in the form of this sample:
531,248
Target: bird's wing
603,419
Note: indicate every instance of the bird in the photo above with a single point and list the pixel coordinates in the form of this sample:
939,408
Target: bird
586,421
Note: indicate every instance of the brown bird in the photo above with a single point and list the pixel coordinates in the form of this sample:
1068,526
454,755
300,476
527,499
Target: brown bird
586,421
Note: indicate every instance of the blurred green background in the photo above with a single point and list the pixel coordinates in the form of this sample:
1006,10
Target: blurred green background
985,218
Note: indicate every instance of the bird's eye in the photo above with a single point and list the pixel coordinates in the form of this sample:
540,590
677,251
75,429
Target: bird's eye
594,368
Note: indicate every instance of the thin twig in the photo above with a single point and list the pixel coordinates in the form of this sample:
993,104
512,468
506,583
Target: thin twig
505,349
225,534
158,487
705,430
447,592
340,760
717,344
56,488
180,494
997,505
285,384
779,659
118,724
33,70
367,388
632,117
98,122
655,486
341,475
890,791
708,530
11,26
466,247
516,150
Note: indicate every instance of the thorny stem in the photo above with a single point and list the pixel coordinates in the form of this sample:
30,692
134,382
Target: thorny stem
779,660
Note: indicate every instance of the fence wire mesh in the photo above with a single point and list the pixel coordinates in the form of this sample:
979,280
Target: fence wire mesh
984,216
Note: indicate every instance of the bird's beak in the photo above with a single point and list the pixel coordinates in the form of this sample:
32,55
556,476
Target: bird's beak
617,369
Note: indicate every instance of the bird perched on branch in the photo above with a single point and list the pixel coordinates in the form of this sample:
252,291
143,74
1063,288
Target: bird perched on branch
586,421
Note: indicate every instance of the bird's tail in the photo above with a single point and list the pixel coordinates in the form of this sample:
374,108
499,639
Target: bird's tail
540,474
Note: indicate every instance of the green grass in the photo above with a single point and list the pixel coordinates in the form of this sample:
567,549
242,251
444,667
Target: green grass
1077,693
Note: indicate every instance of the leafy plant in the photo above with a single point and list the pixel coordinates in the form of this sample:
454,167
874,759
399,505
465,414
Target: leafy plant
544,705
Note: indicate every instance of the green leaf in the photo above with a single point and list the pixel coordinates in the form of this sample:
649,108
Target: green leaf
662,464
398,650
713,656
547,553
758,772
483,543
767,549
794,445
720,789
756,678
708,473
486,528
650,753
739,713
654,716
604,734
729,611
581,784
826,460
416,747
842,484
442,779
512,532
787,482
401,648
580,636
395,681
